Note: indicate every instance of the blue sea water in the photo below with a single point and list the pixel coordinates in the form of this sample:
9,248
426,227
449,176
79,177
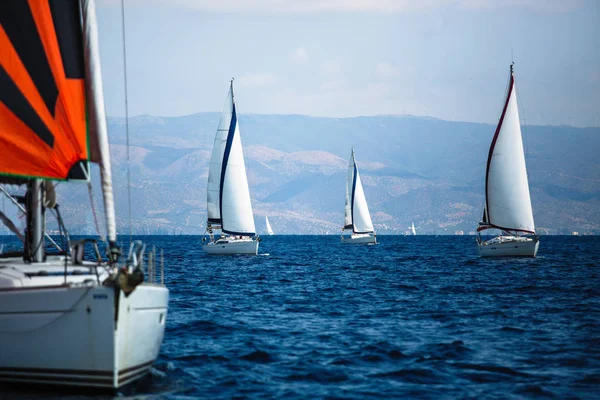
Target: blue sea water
411,317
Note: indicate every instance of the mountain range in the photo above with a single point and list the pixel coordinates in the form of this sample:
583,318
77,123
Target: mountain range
414,169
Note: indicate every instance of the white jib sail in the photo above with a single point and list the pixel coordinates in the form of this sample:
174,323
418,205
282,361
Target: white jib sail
236,209
360,215
216,162
508,199
269,229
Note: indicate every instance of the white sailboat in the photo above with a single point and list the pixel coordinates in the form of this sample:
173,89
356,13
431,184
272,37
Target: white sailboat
268,225
507,200
64,320
229,209
412,229
356,214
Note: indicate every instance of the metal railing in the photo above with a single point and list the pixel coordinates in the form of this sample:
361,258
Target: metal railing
136,258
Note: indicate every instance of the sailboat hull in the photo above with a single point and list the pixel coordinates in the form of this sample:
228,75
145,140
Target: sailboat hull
232,247
509,246
359,239
84,336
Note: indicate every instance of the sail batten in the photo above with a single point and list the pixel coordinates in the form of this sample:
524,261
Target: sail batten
508,201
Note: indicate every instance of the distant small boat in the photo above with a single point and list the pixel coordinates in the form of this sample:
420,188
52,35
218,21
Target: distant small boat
507,200
228,197
357,215
413,230
269,229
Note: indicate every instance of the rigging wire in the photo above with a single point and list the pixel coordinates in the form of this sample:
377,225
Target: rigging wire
94,214
126,116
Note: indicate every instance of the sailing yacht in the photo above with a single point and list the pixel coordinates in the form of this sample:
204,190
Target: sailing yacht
229,209
64,319
507,200
268,225
356,214
412,229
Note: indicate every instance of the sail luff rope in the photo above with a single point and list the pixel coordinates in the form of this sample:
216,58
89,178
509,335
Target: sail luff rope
126,116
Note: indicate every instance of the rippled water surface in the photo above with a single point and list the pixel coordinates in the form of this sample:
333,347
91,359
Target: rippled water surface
410,317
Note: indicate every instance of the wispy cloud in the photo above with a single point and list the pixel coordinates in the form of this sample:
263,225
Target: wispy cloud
385,70
299,56
257,80
331,67
336,95
333,85
359,6
538,5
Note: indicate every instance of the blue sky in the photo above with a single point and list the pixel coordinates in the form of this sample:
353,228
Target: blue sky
339,58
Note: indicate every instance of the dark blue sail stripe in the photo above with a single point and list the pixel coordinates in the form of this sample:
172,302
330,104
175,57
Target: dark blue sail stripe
230,136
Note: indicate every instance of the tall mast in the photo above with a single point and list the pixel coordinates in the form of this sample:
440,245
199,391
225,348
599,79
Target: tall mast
36,222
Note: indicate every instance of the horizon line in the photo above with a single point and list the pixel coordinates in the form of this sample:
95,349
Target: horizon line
350,117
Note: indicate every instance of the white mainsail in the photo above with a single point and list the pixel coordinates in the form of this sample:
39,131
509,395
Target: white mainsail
412,229
508,203
228,196
213,203
269,229
357,214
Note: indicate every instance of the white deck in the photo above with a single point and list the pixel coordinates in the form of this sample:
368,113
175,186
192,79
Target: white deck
78,333
509,246
360,238
232,245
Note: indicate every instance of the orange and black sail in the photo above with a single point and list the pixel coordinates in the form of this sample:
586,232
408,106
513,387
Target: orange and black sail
43,124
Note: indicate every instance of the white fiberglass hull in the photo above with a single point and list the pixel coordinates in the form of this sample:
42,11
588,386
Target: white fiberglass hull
509,246
63,335
231,247
360,239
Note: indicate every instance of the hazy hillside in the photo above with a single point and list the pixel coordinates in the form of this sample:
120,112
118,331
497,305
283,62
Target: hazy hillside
414,169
